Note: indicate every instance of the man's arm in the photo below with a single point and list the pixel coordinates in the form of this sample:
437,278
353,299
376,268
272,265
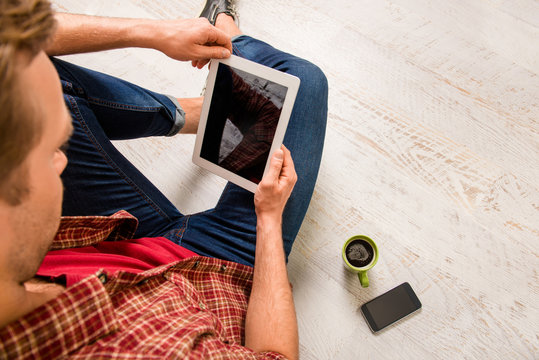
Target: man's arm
183,39
271,323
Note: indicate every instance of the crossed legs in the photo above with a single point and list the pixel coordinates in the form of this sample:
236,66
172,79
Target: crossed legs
100,181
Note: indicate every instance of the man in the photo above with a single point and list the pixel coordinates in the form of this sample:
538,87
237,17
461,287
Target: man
176,286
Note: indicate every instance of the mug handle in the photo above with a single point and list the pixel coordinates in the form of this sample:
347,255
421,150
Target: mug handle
363,279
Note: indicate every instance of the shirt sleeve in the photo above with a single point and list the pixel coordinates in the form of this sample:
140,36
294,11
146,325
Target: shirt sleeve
270,355
212,348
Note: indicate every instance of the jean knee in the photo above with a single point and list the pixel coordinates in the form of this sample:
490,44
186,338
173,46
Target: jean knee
314,82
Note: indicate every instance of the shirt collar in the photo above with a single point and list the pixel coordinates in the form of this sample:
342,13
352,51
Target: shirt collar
75,231
80,315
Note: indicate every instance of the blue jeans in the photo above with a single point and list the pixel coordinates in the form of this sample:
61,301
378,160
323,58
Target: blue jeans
100,181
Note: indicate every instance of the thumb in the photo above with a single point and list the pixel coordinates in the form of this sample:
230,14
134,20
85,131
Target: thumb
276,164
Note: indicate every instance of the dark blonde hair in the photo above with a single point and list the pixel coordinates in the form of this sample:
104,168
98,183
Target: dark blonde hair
25,27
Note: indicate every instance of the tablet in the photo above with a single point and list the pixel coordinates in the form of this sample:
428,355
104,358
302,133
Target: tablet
243,120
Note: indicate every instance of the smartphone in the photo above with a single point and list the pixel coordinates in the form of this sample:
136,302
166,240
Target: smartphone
390,307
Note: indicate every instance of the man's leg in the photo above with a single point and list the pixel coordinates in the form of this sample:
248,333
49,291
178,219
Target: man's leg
229,230
98,179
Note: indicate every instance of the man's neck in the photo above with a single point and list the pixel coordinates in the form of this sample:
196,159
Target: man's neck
20,299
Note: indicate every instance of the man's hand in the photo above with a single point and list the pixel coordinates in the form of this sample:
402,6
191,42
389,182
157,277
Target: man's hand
192,39
276,186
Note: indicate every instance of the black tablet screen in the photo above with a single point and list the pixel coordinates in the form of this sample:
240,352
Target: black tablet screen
242,119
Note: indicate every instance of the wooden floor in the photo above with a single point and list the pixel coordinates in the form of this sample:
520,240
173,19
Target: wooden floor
432,149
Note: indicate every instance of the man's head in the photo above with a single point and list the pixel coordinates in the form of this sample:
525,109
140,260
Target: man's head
34,124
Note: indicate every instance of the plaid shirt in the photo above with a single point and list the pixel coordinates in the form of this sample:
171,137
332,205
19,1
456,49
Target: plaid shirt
191,309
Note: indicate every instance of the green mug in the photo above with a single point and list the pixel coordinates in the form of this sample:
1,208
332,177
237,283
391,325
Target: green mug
360,253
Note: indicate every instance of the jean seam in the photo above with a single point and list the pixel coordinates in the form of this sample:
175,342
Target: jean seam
75,86
237,51
115,105
183,228
181,231
111,163
96,101
222,193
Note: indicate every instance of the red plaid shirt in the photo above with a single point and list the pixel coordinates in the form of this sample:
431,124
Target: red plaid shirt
190,309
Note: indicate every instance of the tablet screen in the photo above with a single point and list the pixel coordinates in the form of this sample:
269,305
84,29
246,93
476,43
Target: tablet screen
242,119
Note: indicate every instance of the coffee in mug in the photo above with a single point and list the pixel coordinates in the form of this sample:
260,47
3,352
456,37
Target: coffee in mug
360,254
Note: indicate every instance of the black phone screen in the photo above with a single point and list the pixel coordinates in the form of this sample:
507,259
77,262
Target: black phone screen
387,308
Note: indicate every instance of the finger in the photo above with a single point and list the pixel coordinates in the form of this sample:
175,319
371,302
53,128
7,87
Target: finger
206,52
219,37
276,165
202,63
288,163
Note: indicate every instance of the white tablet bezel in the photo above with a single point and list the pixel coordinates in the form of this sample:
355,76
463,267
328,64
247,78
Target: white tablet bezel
289,81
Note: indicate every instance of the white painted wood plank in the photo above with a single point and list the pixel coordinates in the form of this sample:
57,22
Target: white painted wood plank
487,26
433,240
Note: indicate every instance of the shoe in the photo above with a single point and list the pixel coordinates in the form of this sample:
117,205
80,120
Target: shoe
216,7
